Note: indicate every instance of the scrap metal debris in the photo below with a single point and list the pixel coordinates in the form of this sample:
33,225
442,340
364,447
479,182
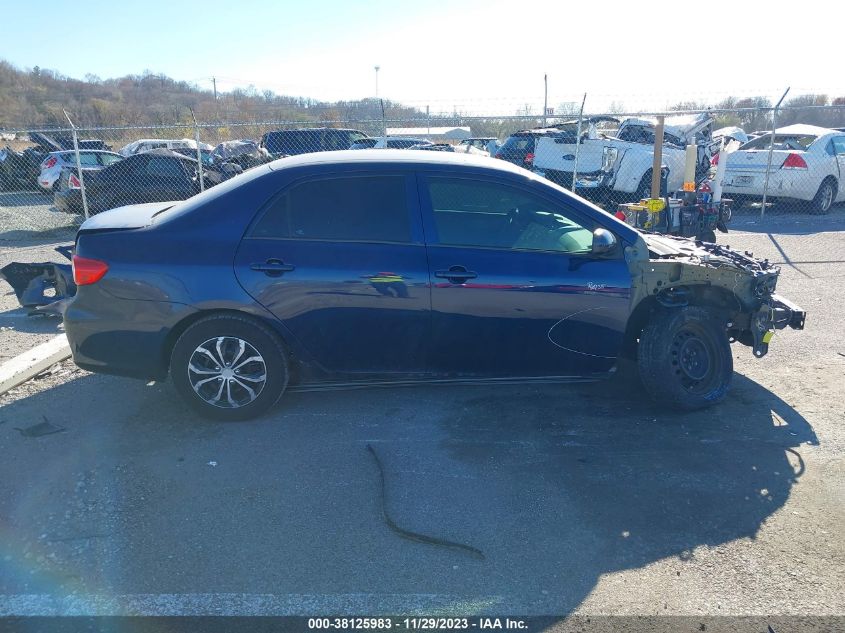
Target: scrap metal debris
41,429
41,286
414,536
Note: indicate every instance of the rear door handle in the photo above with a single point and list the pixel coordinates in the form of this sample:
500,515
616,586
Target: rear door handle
456,274
273,267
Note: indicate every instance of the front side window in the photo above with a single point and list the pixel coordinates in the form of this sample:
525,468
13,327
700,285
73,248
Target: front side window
359,208
493,215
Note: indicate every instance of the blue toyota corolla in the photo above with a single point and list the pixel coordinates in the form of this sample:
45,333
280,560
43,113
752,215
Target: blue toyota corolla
388,266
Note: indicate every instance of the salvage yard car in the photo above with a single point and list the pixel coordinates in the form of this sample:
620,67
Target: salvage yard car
808,164
52,165
152,176
368,266
619,165
303,141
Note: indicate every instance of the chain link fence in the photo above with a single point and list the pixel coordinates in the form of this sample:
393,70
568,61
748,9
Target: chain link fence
51,180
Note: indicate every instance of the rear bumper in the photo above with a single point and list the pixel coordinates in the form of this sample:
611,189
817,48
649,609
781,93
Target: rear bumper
121,336
794,184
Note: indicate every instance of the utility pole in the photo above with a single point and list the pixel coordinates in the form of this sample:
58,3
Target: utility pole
214,83
377,69
545,97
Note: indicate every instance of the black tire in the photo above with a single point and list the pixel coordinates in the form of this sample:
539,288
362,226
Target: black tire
824,198
684,358
231,329
708,235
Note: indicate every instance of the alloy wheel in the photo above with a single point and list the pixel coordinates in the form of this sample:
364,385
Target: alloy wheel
227,372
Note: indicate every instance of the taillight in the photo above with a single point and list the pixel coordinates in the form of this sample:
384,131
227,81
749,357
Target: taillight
50,162
620,215
794,161
73,182
715,159
88,271
529,158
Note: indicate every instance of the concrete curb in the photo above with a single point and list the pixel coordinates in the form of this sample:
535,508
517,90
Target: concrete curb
32,362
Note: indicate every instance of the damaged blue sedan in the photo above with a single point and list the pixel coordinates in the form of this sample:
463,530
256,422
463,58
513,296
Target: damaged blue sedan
360,267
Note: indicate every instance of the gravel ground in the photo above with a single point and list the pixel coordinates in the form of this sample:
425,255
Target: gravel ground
583,498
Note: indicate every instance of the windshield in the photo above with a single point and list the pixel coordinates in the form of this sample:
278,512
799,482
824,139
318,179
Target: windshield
782,142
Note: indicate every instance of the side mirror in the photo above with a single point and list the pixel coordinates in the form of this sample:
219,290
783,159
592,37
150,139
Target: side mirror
604,242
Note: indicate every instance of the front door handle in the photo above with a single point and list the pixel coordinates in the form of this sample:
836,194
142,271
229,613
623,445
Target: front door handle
273,267
456,274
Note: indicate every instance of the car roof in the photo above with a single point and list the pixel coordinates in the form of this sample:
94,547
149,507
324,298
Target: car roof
162,151
87,151
408,157
313,129
803,129
537,131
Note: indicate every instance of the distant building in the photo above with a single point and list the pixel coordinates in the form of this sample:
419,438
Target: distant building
432,133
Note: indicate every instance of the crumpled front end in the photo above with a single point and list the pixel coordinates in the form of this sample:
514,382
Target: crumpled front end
735,286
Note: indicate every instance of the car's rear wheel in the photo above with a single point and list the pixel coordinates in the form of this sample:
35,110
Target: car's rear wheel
684,358
824,198
229,367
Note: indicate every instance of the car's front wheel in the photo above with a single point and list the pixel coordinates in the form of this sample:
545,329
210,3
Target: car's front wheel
684,358
229,367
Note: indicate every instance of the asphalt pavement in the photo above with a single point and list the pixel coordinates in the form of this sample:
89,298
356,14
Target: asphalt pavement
582,498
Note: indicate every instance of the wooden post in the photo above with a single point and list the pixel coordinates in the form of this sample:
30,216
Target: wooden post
658,157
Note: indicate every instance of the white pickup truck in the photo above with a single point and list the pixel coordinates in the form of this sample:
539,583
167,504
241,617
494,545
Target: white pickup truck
617,163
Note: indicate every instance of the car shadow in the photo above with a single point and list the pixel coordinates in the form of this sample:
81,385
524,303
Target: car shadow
611,482
788,221
557,485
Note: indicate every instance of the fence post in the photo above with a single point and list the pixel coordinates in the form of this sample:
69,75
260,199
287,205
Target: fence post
78,164
199,152
578,142
771,149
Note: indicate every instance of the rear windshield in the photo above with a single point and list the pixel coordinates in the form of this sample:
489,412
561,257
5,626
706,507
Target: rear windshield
788,142
519,144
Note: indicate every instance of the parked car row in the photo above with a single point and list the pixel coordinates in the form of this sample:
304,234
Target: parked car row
154,175
807,162
152,170
21,170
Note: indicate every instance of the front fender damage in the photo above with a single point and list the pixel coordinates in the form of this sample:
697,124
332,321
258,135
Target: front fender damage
673,272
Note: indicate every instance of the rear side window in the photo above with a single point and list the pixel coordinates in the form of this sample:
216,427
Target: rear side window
108,159
839,145
164,167
360,208
87,159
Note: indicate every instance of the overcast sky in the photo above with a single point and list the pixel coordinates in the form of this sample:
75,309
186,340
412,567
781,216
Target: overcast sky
474,55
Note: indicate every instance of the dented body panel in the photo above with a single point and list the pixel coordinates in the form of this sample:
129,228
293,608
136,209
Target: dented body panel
673,272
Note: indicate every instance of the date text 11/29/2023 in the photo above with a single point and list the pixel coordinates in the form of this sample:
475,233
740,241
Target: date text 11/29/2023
416,624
